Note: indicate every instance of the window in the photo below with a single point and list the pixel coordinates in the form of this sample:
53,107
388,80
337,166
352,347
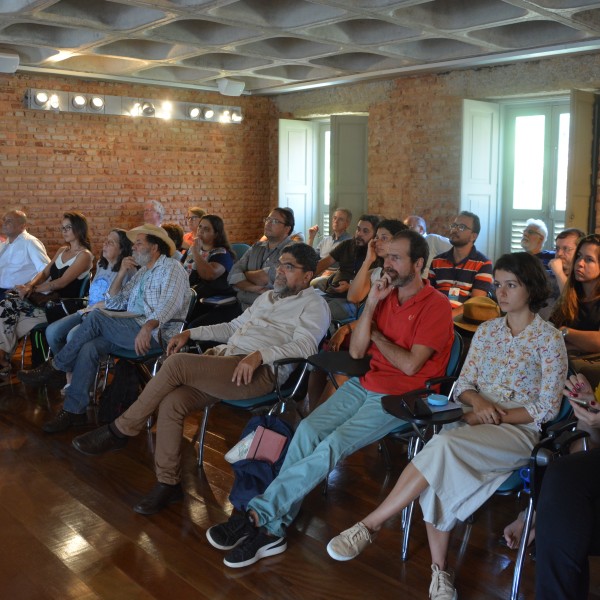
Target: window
536,148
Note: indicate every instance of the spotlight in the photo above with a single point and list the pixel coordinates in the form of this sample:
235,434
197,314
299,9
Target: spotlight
208,113
148,109
236,117
136,110
96,103
79,101
41,98
225,117
166,110
194,112
54,101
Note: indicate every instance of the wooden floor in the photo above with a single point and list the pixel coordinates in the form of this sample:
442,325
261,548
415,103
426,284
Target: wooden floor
68,531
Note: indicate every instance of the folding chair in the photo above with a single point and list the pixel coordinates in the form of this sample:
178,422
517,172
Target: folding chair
293,389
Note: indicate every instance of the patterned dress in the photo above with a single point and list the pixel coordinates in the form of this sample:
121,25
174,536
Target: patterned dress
465,464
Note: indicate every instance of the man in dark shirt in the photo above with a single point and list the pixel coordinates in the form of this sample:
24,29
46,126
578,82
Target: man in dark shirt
350,255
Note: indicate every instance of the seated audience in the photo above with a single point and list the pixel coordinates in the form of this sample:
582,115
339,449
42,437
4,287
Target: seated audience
406,327
462,272
255,273
288,321
175,232
209,261
534,237
510,385
154,212
62,277
115,248
564,253
350,255
437,243
577,312
194,214
568,510
157,293
22,256
340,222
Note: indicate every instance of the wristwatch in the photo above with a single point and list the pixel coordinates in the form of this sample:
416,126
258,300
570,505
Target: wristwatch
564,331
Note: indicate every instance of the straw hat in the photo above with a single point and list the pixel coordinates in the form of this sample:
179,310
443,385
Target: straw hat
148,229
476,311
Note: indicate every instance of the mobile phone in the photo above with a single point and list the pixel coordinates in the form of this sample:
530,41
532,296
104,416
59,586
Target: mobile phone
585,404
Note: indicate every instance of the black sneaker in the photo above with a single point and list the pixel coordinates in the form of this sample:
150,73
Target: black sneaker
230,534
258,546
45,374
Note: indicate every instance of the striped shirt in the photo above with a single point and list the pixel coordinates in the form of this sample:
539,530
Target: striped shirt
458,280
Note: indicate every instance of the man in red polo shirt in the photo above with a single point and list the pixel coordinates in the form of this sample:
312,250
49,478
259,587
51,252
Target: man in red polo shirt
406,326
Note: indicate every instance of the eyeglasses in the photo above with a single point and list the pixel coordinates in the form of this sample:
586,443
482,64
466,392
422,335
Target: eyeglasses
289,267
191,218
459,226
65,228
565,249
533,232
274,221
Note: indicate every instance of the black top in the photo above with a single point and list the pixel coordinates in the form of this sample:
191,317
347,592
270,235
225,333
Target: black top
588,317
73,289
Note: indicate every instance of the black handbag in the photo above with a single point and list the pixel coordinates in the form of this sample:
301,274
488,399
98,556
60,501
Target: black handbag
57,309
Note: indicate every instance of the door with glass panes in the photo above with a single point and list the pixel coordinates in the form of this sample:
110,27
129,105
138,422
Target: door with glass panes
536,149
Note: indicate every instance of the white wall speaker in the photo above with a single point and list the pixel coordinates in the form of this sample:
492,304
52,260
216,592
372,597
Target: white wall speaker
9,62
230,87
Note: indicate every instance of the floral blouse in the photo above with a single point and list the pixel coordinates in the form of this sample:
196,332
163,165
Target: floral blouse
529,369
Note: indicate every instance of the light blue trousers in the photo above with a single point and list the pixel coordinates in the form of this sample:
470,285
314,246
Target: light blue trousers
351,419
97,336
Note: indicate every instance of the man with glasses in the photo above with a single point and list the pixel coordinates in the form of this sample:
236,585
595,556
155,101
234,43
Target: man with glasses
22,256
564,253
462,272
534,237
154,212
288,321
254,273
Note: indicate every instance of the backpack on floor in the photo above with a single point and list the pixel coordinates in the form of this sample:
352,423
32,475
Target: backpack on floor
126,385
252,477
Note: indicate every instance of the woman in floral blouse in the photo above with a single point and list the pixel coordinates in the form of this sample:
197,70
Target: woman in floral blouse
510,385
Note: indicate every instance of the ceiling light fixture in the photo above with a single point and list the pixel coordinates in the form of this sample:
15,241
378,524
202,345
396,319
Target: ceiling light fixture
79,101
96,103
40,99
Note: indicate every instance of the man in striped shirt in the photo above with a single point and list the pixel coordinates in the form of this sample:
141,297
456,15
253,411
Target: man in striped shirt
462,272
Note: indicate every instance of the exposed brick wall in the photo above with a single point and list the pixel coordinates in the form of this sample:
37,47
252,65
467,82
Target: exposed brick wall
108,166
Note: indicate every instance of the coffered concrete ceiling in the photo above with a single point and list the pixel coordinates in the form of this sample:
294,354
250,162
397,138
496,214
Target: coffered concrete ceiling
276,46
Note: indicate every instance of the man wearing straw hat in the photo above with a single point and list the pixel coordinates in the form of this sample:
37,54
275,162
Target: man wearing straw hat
155,295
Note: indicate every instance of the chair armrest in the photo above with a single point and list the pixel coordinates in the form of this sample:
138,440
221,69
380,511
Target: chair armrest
556,429
299,382
564,441
437,380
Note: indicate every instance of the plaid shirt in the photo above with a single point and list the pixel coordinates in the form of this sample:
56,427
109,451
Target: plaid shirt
165,295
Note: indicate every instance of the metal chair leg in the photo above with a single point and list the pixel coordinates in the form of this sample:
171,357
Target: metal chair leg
529,512
202,435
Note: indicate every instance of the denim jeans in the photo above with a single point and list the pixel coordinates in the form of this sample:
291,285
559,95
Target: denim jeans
59,332
98,335
351,419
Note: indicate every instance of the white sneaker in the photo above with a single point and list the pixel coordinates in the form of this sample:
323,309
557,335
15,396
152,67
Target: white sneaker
350,543
442,585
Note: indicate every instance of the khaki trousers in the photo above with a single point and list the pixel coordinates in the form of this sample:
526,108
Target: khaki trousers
186,383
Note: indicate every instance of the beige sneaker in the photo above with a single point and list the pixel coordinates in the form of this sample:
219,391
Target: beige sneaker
350,543
442,585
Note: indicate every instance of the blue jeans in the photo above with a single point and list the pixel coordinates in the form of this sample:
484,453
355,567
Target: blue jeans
351,419
97,336
59,332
